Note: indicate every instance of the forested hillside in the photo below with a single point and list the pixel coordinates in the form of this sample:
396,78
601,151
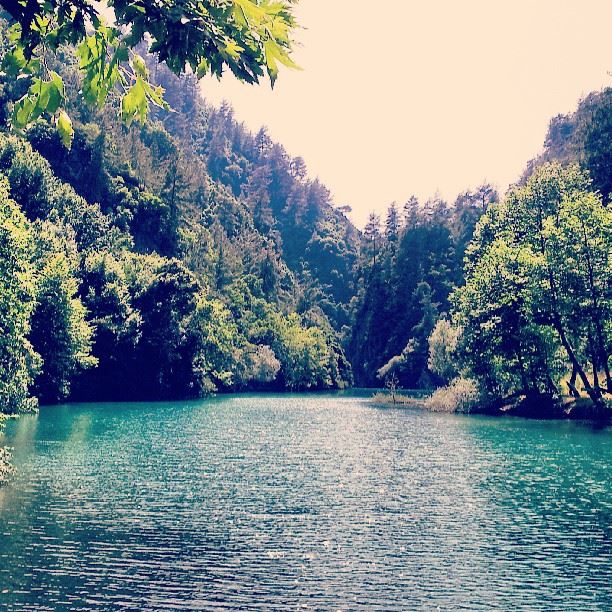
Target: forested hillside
168,259
535,314
410,264
583,137
186,255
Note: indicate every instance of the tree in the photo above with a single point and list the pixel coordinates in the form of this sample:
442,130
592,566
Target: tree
411,212
59,333
469,207
443,343
411,364
215,343
373,236
41,195
306,357
597,147
581,245
167,296
536,300
392,224
260,239
206,37
105,292
18,361
502,344
261,365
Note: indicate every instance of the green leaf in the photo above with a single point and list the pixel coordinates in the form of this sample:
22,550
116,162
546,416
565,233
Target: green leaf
55,99
22,112
134,104
240,16
65,129
13,63
251,11
202,69
121,54
233,50
140,68
275,52
57,79
270,53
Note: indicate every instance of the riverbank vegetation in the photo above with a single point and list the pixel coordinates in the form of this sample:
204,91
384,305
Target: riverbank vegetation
537,302
164,260
183,255
150,247
531,314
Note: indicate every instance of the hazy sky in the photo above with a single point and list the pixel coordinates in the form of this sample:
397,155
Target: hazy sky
402,97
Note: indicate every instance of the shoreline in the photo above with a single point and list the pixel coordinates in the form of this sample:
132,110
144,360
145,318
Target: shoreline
538,407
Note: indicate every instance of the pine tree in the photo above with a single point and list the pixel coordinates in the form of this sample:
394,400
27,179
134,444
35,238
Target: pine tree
411,213
392,225
373,236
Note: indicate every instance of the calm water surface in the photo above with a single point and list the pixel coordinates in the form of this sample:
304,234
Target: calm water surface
294,502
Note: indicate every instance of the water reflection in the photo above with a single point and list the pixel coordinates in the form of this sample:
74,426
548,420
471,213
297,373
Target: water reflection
316,502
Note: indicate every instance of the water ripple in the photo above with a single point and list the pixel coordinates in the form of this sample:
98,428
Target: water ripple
303,503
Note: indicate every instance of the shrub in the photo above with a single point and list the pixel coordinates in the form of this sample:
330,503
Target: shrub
443,341
461,395
261,365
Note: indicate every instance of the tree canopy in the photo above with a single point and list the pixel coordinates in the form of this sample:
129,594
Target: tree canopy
537,297
251,38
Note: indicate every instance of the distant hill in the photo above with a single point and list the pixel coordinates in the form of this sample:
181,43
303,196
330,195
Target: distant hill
583,136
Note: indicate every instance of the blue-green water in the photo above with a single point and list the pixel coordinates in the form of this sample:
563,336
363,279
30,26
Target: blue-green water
303,502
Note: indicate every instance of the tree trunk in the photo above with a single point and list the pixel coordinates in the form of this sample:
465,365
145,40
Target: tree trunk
601,350
594,394
571,385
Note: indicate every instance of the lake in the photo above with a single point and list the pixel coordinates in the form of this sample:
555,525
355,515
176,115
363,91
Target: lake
316,502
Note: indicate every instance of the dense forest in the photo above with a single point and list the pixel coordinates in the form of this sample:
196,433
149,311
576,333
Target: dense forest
409,265
166,260
185,255
492,298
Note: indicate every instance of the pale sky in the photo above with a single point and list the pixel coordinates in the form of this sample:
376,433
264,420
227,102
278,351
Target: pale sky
402,97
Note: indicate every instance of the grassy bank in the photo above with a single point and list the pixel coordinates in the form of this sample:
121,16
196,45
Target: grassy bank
460,399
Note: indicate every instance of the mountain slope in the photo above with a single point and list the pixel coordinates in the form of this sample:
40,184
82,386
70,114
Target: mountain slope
182,274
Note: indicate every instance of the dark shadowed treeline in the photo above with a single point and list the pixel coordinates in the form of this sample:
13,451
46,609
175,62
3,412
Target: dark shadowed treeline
411,262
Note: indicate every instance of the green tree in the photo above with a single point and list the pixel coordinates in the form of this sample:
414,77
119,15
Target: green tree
5,466
502,343
166,295
305,357
106,294
411,363
411,212
41,195
18,361
536,298
392,223
443,343
59,333
216,346
373,236
580,240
